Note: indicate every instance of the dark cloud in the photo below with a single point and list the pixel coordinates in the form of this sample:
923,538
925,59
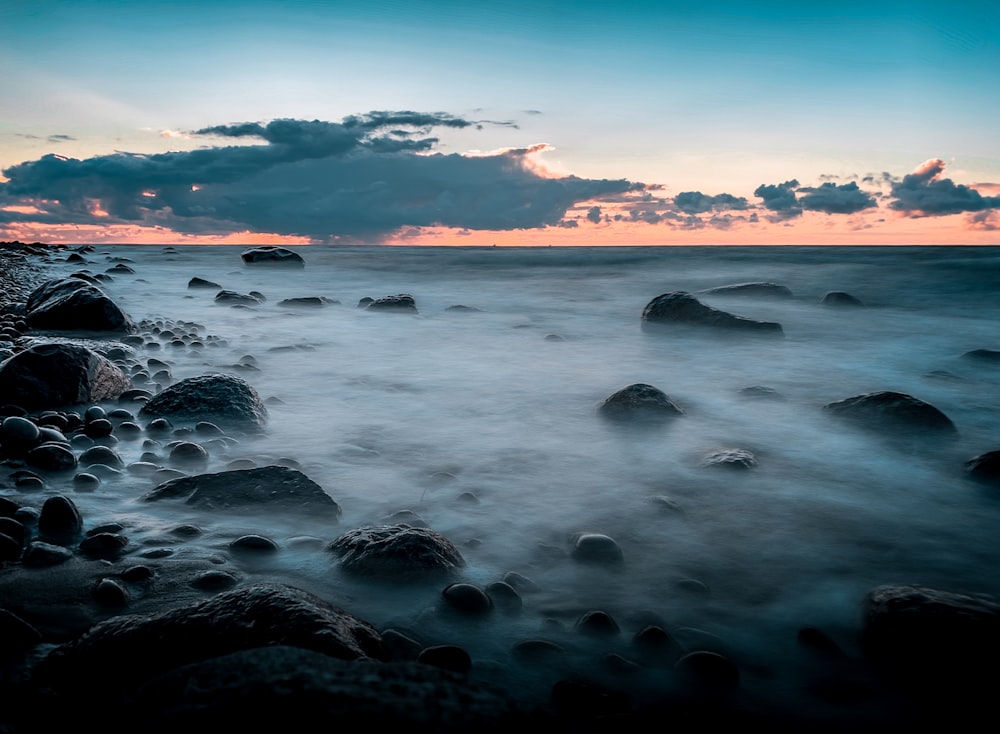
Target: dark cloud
695,202
594,214
924,193
833,199
59,138
358,179
780,198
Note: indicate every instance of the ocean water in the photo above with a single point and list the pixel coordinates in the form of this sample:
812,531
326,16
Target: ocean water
486,426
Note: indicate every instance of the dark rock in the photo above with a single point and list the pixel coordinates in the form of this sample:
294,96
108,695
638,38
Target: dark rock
188,454
402,302
17,635
111,593
137,574
99,428
253,544
639,401
13,529
86,482
121,269
208,580
933,640
467,598
59,520
504,596
273,256
365,302
104,545
989,356
51,457
839,299
265,688
260,615
40,554
767,290
18,434
680,308
49,375
308,302
898,411
202,283
596,548
237,299
446,657
400,645
729,458
761,392
101,455
10,549
268,487
71,304
985,467
223,399
598,624
396,552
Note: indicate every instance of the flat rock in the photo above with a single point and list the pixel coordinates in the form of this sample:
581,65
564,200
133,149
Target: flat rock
227,400
273,256
54,375
144,646
681,308
396,552
276,487
197,282
887,409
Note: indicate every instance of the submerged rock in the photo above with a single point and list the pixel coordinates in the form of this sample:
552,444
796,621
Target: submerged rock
400,302
730,458
197,282
224,399
985,467
273,256
54,375
887,409
396,552
839,299
681,308
768,290
639,401
268,487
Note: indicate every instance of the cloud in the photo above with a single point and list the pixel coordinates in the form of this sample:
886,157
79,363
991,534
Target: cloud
924,193
780,198
594,214
360,179
833,199
695,202
59,138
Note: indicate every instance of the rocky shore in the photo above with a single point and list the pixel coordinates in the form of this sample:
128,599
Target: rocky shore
93,624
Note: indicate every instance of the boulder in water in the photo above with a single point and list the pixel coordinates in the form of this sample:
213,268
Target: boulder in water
224,399
887,409
71,304
637,402
766,290
273,256
682,309
396,552
54,375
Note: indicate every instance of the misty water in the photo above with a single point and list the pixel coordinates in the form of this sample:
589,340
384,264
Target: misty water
484,423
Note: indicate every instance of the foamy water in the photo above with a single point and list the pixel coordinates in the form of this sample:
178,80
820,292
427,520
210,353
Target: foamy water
488,430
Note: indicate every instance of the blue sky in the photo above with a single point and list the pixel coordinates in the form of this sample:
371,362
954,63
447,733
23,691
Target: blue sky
720,99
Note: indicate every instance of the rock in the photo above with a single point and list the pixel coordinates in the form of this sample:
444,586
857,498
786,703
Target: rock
101,455
269,488
738,459
273,256
467,598
681,308
40,554
224,399
839,299
49,375
402,302
768,290
18,434
639,401
396,552
893,410
51,457
597,624
111,593
188,454
596,548
504,597
59,521
237,299
985,467
253,544
260,615
307,302
933,640
202,283
446,657
104,545
986,356
71,304
760,392
265,688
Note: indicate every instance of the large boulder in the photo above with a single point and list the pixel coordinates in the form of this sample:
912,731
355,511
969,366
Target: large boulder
268,488
224,399
930,638
71,304
681,308
273,256
397,552
639,401
892,410
54,375
143,646
985,467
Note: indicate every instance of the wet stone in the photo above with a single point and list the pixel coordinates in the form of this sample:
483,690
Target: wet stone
254,544
446,657
596,548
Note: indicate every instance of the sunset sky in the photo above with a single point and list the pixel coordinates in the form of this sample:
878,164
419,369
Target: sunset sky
528,123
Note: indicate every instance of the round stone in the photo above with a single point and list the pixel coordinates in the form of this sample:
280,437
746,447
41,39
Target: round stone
596,548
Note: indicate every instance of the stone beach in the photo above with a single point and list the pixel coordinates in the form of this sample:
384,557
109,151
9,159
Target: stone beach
172,623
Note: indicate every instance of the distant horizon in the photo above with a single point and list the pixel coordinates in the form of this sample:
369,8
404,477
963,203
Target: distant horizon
582,124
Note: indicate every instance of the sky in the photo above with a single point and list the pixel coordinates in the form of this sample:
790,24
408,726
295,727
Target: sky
514,123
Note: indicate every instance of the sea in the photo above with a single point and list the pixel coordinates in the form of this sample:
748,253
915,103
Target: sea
482,422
